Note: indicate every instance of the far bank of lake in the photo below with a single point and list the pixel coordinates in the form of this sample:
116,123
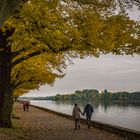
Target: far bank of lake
122,114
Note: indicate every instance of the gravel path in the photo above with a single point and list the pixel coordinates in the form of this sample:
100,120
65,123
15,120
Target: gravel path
40,125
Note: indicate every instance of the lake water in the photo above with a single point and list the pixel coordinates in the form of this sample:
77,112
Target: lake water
126,115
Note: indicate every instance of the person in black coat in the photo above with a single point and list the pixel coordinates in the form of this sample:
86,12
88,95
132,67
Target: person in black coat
88,110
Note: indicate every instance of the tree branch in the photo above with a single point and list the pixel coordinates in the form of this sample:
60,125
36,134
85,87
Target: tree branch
25,58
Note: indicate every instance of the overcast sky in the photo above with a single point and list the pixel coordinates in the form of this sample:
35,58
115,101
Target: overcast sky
114,73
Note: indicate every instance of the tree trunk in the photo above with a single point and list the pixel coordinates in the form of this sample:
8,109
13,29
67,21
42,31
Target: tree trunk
6,96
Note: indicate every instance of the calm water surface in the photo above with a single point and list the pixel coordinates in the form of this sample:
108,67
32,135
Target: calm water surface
121,114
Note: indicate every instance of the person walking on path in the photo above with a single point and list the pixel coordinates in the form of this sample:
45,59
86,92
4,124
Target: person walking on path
26,105
88,110
76,115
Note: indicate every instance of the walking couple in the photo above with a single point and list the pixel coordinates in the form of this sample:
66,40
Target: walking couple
76,114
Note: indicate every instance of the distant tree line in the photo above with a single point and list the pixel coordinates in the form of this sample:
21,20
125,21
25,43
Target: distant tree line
79,95
120,96
92,94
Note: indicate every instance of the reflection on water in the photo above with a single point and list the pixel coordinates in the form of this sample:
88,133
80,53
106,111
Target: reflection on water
122,114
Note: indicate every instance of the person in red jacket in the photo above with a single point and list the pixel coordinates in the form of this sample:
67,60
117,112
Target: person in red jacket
26,105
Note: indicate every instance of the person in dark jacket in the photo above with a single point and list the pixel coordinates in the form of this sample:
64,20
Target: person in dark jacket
88,110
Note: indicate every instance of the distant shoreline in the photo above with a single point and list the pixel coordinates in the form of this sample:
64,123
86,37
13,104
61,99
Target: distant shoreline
93,95
113,101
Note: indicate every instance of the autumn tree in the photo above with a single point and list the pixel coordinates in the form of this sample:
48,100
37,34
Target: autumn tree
42,36
7,8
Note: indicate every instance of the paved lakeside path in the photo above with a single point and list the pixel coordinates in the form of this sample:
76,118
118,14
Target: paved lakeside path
41,125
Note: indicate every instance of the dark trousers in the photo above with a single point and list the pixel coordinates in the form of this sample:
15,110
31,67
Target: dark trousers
89,121
77,123
24,108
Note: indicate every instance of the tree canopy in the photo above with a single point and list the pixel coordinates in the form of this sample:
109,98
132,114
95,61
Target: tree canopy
47,34
7,8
